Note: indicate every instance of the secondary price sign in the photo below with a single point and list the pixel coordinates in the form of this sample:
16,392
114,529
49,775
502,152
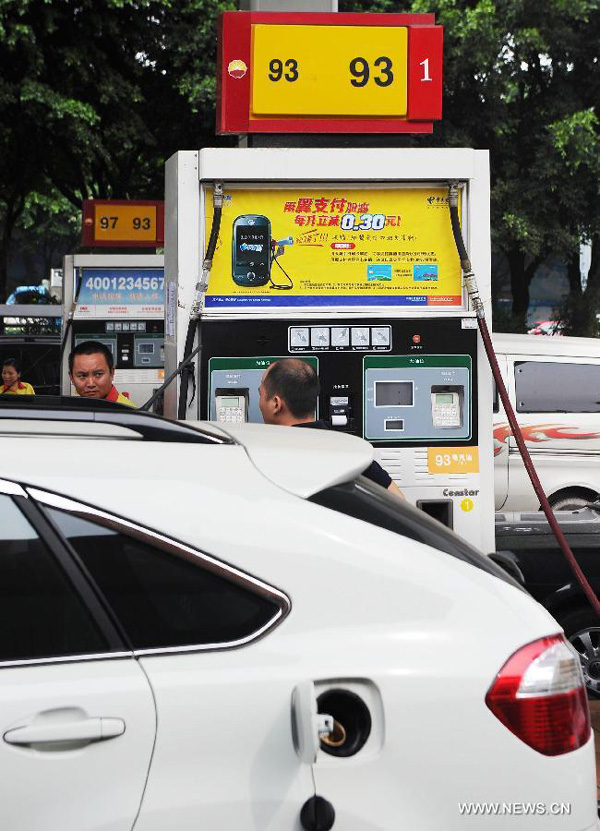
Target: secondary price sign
324,72
117,223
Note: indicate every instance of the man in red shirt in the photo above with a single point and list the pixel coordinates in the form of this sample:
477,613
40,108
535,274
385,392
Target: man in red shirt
92,370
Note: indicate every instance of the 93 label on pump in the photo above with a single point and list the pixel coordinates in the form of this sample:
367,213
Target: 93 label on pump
453,460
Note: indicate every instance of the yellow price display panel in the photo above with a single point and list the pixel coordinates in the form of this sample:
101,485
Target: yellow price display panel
329,71
453,460
122,223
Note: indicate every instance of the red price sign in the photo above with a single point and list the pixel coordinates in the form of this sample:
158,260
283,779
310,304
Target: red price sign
329,73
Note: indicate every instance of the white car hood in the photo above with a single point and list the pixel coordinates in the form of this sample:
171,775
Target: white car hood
303,461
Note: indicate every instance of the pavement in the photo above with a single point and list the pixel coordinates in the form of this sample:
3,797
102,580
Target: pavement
595,716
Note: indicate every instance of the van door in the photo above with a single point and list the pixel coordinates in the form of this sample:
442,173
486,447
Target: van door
501,435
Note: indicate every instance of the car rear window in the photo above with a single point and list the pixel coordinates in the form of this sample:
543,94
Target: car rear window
368,502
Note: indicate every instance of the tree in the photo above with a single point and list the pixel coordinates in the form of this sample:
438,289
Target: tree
523,81
95,94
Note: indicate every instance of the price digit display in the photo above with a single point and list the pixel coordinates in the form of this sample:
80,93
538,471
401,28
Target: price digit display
360,70
121,223
276,69
366,74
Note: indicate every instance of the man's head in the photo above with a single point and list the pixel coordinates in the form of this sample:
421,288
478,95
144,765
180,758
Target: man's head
288,392
92,369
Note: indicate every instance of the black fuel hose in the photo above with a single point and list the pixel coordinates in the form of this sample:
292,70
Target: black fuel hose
510,413
68,327
185,366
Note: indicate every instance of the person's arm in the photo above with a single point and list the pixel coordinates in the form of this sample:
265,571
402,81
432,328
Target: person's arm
395,490
379,475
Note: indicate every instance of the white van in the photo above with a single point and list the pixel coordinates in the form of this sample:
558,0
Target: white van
554,387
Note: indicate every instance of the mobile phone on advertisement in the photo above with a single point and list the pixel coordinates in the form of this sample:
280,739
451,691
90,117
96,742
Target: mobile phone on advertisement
251,250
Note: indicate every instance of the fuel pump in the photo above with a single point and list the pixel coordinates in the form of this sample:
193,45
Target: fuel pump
369,292
118,300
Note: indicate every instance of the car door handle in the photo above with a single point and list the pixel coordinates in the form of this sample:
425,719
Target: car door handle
82,730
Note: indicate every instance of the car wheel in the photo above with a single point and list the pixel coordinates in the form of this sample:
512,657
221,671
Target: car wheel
582,628
571,501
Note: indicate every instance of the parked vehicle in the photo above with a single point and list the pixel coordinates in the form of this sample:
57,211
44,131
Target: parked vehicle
529,551
29,295
207,628
554,387
547,327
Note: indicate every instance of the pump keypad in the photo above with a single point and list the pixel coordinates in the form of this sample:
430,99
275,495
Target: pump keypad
231,415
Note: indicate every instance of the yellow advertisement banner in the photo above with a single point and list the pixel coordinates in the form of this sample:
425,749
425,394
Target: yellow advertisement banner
323,247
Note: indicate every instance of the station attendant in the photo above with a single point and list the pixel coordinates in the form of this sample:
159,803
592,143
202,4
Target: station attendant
92,370
288,397
11,379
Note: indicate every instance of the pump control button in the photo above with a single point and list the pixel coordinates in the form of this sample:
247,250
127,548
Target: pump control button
319,336
380,336
339,400
339,420
340,336
299,336
360,336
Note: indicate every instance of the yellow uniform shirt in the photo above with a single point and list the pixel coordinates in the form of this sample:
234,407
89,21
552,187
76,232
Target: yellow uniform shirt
115,395
23,388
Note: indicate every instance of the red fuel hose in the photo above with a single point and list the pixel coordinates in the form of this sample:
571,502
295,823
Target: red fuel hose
477,304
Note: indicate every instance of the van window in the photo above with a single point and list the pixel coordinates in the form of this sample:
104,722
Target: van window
545,387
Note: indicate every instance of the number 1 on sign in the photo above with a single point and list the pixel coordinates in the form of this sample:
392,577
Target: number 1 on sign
425,65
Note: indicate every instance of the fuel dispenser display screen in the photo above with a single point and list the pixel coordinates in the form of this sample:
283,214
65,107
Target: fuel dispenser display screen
394,393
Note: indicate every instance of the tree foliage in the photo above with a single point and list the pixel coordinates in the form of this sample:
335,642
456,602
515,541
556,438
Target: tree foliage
94,95
523,79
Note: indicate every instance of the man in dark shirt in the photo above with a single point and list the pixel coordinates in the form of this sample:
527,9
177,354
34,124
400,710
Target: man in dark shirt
288,396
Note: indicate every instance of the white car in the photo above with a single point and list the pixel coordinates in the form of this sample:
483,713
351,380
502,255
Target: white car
208,629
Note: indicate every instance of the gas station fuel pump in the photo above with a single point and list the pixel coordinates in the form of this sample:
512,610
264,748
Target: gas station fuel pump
346,259
118,300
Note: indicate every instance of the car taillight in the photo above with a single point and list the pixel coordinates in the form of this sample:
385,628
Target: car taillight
539,694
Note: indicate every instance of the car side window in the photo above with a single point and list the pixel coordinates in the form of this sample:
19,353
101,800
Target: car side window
41,614
165,598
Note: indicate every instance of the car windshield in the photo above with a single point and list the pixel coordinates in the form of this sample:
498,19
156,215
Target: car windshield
368,502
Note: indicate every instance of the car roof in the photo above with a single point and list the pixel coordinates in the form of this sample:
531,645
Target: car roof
302,462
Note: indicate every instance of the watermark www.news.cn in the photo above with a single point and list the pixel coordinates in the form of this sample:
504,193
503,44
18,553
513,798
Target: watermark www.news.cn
514,809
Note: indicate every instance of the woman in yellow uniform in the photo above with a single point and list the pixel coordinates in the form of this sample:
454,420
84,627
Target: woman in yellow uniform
11,379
